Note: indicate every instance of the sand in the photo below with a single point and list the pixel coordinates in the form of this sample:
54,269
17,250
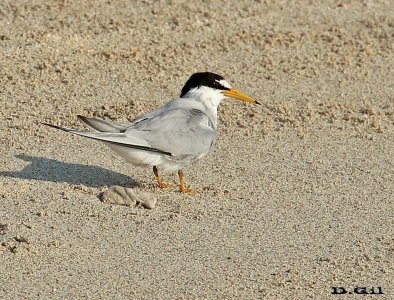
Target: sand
296,198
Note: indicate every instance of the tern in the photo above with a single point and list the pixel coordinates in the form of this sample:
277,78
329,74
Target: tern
178,133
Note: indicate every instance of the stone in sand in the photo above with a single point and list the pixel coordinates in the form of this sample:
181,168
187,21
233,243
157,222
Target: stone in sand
125,196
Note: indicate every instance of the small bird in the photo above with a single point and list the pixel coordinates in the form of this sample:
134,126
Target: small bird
180,132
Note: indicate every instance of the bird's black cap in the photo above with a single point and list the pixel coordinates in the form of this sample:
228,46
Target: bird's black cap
203,79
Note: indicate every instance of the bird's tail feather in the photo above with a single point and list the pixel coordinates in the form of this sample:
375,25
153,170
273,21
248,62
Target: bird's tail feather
104,125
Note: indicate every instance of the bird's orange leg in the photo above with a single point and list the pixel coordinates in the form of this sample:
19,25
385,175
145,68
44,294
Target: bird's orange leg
182,188
160,182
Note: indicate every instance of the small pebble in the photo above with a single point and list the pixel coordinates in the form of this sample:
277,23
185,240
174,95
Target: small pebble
126,196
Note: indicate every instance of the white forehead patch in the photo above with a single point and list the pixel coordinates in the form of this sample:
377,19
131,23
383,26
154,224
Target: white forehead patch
224,83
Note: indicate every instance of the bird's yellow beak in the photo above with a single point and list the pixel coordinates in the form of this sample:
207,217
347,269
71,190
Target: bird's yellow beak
233,93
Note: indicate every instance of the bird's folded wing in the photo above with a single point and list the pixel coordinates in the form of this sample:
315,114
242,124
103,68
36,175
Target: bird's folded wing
180,131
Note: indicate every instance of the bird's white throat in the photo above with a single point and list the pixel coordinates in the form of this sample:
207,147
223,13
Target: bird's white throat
210,97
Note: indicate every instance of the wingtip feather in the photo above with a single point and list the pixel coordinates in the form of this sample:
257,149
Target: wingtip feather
57,127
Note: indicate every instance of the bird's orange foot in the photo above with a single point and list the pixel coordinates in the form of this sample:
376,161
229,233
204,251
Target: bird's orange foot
188,191
182,188
160,182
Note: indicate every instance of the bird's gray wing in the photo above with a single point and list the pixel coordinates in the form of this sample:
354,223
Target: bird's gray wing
182,131
174,129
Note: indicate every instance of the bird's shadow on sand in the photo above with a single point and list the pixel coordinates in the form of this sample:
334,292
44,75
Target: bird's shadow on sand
45,169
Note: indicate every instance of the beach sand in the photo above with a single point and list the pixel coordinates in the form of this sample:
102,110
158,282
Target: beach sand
296,198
